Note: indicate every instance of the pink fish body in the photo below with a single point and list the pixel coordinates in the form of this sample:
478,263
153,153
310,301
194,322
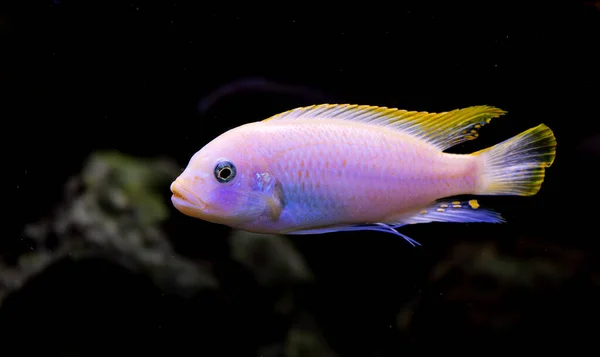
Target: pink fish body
329,168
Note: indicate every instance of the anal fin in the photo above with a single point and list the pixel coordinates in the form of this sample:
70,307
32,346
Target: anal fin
454,211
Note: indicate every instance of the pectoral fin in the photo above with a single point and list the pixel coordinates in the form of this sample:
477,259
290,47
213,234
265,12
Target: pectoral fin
275,207
272,192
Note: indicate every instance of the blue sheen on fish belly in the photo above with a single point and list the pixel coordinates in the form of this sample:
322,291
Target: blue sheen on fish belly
307,208
440,211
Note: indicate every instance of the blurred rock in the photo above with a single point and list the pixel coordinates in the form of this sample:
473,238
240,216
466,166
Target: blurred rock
485,259
114,210
486,288
277,265
305,340
272,258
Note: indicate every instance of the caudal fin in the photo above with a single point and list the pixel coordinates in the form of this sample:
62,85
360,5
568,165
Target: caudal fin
517,166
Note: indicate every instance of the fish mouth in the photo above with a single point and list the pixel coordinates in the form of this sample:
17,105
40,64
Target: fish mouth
185,200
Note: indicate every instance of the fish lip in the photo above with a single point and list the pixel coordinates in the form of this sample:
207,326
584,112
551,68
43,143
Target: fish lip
190,198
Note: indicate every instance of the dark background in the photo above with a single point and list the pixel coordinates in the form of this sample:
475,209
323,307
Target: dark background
78,77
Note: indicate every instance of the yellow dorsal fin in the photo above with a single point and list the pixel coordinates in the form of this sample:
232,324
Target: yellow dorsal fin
443,130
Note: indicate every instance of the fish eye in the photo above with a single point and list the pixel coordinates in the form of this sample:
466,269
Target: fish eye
224,171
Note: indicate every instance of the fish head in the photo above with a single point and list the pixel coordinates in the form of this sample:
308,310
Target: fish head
218,184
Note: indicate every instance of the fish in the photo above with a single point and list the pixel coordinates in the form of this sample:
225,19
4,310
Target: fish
347,167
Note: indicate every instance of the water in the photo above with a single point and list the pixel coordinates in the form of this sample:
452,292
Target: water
106,103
